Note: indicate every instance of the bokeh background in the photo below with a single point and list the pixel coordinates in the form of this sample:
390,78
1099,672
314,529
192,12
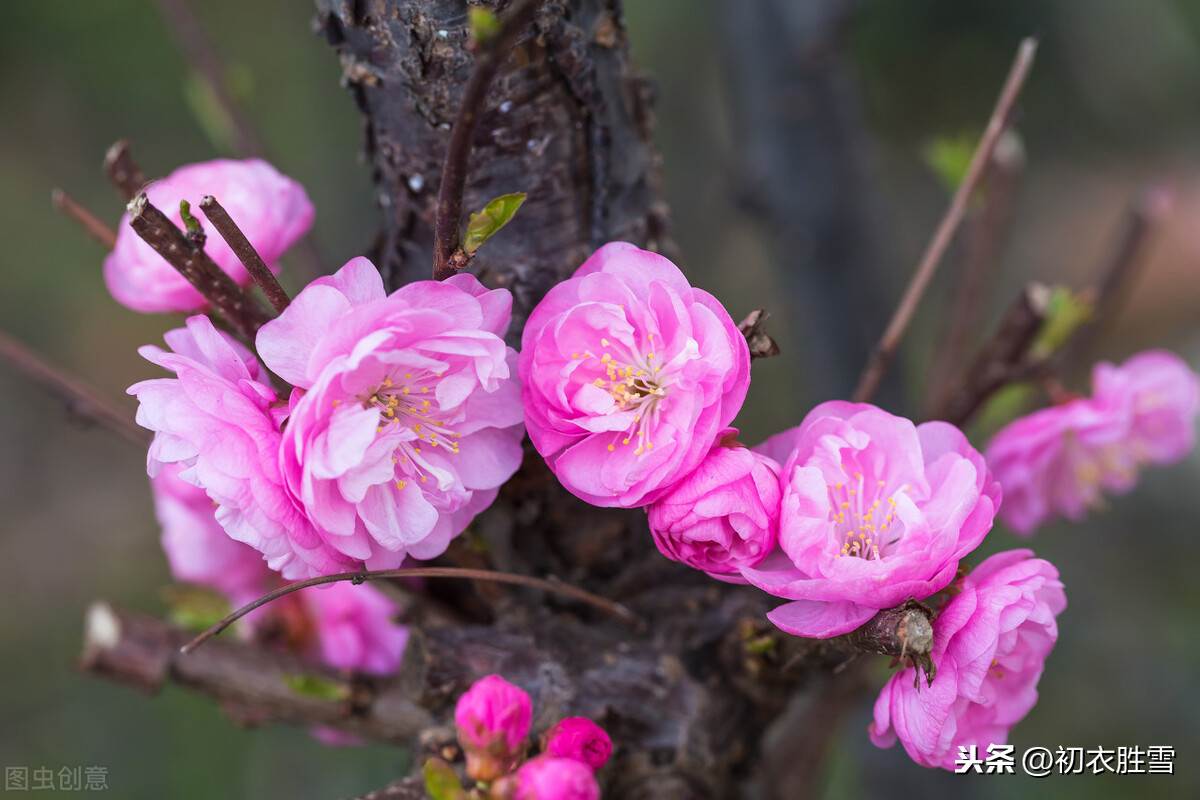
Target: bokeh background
1113,105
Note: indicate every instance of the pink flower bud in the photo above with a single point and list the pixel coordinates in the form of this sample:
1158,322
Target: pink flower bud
580,739
493,720
724,515
550,778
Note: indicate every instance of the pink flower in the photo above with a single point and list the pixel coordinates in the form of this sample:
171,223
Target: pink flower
493,713
628,376
197,547
271,209
220,420
1059,459
724,515
355,628
580,739
550,778
989,645
874,510
406,419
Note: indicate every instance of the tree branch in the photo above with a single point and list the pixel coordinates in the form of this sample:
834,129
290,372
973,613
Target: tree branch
123,172
245,252
462,133
878,362
193,263
81,399
89,222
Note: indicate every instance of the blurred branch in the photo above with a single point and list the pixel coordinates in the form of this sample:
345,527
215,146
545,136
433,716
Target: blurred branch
984,233
245,252
243,313
91,224
81,399
410,788
203,59
878,362
253,684
123,172
454,169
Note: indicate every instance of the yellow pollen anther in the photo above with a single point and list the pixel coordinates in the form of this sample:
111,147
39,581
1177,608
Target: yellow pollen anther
610,448
387,381
604,342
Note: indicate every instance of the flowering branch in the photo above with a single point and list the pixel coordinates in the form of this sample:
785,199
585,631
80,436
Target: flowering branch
123,172
194,264
458,150
81,399
604,604
245,252
91,224
878,362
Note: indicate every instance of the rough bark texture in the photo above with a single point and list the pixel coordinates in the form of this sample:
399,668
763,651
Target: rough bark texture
568,121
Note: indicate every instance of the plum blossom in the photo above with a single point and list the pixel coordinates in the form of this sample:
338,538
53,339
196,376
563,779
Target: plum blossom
220,419
550,778
722,516
405,420
271,209
581,739
989,644
1059,460
355,628
629,374
198,549
493,719
874,510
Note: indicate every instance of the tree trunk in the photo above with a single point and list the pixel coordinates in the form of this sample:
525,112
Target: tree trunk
569,122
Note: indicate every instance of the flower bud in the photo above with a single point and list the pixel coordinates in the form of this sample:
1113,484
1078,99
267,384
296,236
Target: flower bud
551,778
580,739
493,720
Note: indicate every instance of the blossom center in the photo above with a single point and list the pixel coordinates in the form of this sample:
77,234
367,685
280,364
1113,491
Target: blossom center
636,384
861,512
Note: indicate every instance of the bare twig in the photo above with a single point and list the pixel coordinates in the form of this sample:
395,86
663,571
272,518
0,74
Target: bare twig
984,233
1001,360
194,264
91,224
123,172
878,362
458,150
245,252
761,344
203,59
1120,266
602,603
81,398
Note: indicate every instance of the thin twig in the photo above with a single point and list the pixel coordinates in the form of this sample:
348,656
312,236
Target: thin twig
194,264
1119,268
123,172
462,134
92,225
199,54
877,364
81,399
602,603
245,252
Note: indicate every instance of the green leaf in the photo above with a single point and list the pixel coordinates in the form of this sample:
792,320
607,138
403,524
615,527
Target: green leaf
191,223
195,607
1066,313
949,157
316,687
495,215
441,781
484,24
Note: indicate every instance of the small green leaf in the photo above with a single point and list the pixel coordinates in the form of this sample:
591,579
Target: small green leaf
1066,313
495,215
949,157
484,24
441,782
316,687
195,607
1003,407
191,223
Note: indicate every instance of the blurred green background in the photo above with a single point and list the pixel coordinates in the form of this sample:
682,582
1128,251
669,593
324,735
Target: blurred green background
1114,103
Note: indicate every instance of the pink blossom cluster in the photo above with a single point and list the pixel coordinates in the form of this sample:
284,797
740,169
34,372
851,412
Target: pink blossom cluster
493,720
1059,460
